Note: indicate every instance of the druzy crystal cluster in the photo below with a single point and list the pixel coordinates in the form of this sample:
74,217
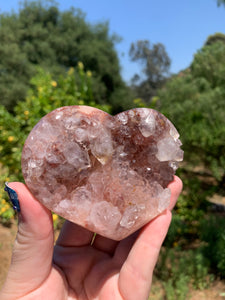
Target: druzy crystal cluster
108,174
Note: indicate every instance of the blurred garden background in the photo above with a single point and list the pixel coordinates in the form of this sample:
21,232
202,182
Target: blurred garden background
51,58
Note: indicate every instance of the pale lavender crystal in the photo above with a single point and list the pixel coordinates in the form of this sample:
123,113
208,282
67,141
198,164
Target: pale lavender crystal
108,174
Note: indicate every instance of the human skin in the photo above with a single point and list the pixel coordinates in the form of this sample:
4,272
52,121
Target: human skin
75,267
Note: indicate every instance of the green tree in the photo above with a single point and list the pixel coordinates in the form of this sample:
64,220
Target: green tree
156,64
220,2
194,101
41,35
215,38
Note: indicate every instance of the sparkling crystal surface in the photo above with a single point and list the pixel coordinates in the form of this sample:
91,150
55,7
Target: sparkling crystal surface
108,174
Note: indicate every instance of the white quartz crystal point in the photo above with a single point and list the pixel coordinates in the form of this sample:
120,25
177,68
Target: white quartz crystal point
107,174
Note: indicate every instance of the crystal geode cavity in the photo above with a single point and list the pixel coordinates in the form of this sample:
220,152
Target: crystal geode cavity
108,174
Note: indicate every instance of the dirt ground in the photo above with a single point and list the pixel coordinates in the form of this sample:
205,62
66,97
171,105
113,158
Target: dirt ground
8,234
7,237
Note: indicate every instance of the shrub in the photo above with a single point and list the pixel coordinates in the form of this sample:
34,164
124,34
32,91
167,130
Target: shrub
179,269
213,234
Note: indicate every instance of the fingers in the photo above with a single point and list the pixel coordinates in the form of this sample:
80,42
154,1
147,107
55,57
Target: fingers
176,187
33,248
73,235
104,244
138,268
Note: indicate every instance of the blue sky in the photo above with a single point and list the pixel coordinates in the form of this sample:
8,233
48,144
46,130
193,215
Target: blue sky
182,26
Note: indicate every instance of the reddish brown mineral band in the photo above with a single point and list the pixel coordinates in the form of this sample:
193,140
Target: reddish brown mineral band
108,174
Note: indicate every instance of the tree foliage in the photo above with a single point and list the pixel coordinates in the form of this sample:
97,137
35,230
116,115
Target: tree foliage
156,64
220,2
215,38
41,35
194,101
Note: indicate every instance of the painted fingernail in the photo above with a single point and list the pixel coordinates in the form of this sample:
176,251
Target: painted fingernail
13,197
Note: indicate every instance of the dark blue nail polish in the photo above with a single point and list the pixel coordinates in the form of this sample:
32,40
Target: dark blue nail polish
13,197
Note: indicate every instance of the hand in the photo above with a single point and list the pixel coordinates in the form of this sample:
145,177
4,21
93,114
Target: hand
75,268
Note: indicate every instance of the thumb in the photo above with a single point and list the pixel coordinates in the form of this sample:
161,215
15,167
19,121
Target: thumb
33,247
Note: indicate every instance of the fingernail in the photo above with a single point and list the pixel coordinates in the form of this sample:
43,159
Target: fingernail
13,197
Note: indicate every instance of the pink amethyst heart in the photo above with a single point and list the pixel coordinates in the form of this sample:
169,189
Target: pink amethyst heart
108,174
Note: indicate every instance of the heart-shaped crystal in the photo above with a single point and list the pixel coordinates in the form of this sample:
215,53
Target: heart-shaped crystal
108,174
